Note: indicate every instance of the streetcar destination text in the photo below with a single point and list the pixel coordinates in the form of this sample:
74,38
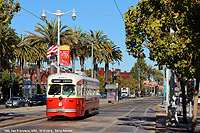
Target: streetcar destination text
61,80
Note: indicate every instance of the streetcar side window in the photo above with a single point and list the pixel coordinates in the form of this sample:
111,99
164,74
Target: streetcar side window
78,89
54,89
68,90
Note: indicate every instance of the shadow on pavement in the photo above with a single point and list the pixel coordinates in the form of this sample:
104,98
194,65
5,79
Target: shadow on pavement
9,116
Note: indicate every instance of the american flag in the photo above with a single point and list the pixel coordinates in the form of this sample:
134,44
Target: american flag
53,49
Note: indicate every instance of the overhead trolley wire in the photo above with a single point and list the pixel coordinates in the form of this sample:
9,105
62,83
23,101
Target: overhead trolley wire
31,13
119,10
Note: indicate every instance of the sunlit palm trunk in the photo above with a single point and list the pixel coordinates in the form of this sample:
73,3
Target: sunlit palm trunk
73,60
82,63
38,78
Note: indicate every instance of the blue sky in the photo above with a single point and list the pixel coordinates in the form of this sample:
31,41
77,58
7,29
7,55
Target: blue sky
91,15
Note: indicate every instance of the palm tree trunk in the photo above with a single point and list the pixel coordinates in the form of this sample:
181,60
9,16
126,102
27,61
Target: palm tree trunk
73,60
106,72
38,78
194,116
82,63
95,68
21,77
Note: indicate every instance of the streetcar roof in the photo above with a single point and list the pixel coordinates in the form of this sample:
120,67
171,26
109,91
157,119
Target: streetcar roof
74,76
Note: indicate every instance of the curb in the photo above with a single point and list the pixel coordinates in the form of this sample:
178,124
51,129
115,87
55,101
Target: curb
22,121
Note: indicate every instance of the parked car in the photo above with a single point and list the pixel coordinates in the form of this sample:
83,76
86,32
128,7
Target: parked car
17,102
38,99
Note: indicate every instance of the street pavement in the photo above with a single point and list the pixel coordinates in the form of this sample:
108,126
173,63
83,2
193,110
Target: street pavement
9,116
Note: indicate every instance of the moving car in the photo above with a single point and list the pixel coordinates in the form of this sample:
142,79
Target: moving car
17,102
38,99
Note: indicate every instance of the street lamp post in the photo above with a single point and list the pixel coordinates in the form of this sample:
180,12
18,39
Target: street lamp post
92,40
58,14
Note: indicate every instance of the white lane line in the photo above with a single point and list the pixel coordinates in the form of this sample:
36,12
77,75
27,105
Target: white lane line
118,120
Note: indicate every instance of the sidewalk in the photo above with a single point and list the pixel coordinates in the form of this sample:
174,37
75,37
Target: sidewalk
161,126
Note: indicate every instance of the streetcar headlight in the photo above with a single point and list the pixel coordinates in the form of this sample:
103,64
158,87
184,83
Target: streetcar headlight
60,104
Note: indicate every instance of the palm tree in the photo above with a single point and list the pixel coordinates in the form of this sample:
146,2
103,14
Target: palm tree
75,43
97,48
112,54
41,52
107,59
23,51
49,34
82,51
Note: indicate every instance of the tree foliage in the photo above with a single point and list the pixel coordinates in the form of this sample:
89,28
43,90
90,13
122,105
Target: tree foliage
149,24
7,35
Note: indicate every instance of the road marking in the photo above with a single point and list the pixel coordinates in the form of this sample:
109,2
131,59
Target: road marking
117,120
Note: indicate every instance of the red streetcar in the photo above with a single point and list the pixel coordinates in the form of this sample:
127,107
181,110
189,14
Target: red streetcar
72,95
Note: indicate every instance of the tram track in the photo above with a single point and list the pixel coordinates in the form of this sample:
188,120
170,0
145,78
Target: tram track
142,119
135,129
118,120
138,125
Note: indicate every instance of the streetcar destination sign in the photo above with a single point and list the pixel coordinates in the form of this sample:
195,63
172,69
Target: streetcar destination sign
61,80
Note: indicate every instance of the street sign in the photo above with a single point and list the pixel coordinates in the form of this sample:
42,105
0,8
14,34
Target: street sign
139,92
164,89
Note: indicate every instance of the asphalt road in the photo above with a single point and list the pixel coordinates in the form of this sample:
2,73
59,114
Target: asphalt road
136,115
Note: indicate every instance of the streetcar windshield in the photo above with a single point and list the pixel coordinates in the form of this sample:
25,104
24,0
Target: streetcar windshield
68,90
55,90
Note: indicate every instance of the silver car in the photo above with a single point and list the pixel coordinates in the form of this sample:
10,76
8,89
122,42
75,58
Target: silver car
17,102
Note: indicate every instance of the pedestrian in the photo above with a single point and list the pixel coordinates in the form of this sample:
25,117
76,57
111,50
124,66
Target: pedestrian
180,104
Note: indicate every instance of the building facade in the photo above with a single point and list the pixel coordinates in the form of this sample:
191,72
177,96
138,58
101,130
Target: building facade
30,75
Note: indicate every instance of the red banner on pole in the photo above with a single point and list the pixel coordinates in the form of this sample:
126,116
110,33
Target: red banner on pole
64,55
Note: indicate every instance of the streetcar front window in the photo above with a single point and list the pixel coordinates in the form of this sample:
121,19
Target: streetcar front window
68,90
55,90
